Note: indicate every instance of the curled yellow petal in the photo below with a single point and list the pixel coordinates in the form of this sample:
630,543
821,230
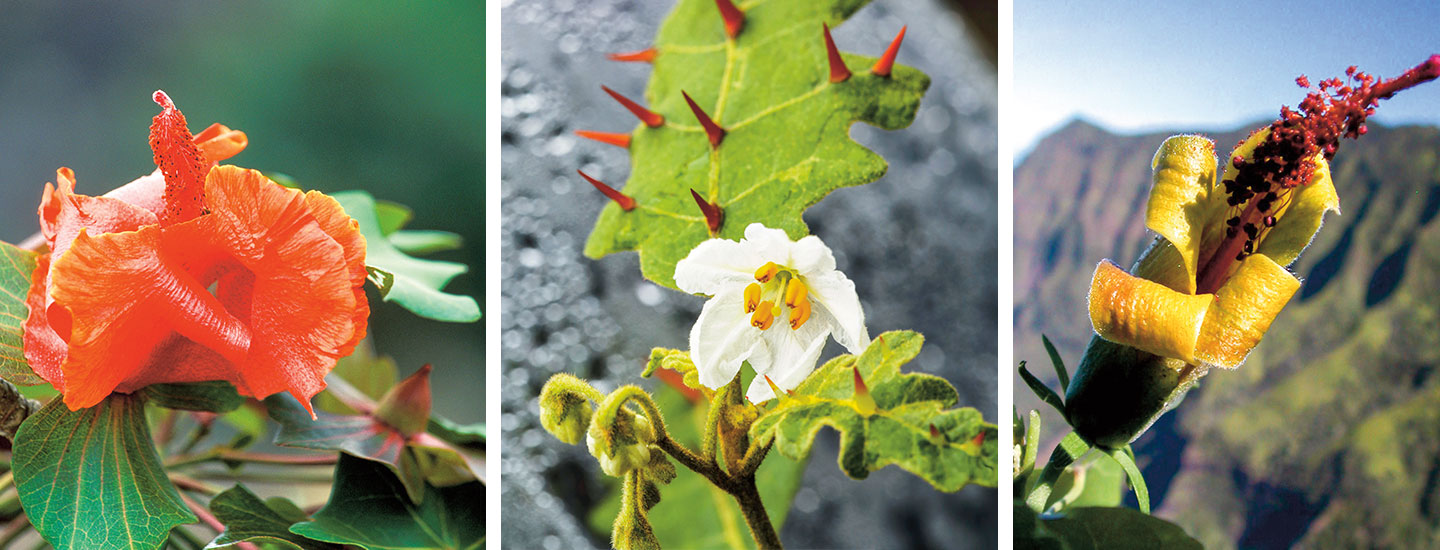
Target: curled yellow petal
1144,314
1179,207
1297,224
1243,309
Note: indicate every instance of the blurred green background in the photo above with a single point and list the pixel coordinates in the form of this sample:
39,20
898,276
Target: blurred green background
382,96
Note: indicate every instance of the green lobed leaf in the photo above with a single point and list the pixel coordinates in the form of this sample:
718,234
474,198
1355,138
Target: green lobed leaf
361,436
16,267
1096,529
365,371
216,396
368,507
787,141
413,283
392,216
92,479
676,360
911,424
424,242
694,513
249,519
454,433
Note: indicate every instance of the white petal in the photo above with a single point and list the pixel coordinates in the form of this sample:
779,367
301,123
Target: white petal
769,245
716,264
793,354
722,339
835,304
810,255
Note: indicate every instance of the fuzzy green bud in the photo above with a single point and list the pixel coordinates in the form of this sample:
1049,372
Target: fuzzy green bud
622,446
1119,391
564,413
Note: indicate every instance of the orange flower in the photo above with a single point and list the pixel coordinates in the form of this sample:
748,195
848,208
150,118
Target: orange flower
196,272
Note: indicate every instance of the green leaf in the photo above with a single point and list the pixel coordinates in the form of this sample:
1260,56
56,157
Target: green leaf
909,424
1041,390
216,396
371,374
1097,481
1071,448
1096,529
425,242
92,479
676,360
361,436
392,216
787,141
16,267
694,513
1126,458
249,519
454,433
413,283
1060,373
368,507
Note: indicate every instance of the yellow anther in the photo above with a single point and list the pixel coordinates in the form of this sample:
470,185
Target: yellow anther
764,315
795,292
766,272
752,297
799,314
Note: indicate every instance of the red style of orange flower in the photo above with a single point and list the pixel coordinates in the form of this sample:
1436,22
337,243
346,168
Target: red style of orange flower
196,272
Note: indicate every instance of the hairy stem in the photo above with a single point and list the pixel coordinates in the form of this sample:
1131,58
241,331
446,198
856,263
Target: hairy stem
748,496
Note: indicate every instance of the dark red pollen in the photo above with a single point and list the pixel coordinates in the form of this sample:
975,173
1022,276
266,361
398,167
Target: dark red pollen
1285,159
180,162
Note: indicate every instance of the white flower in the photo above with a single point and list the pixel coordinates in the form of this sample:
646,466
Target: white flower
773,303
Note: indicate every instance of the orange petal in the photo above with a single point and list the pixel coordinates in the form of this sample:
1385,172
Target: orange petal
1243,309
44,350
219,142
346,231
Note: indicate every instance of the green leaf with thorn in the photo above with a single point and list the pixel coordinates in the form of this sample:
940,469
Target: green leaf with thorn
785,142
885,417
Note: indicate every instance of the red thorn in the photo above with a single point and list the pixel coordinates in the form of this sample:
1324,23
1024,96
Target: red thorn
713,215
934,432
979,439
887,61
838,71
734,18
650,118
646,55
712,130
611,138
626,203
860,387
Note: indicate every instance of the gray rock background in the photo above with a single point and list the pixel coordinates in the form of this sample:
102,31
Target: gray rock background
920,245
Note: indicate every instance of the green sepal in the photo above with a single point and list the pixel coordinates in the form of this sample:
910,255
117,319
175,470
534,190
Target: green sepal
912,424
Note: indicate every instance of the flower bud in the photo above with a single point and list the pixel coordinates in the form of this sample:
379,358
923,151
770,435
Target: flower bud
625,447
565,414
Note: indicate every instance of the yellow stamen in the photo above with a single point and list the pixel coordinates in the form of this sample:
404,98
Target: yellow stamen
764,315
795,292
752,297
766,272
799,314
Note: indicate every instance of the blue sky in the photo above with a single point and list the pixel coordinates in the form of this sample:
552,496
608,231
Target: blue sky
1134,66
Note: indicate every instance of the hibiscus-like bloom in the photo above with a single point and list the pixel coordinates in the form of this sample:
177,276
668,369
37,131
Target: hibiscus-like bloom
774,302
196,272
1207,290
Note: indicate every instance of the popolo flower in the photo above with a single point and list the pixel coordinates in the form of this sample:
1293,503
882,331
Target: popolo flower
1213,281
196,272
774,302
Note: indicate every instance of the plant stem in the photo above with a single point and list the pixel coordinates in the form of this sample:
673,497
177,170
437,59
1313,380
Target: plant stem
257,458
14,529
210,521
748,496
14,409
